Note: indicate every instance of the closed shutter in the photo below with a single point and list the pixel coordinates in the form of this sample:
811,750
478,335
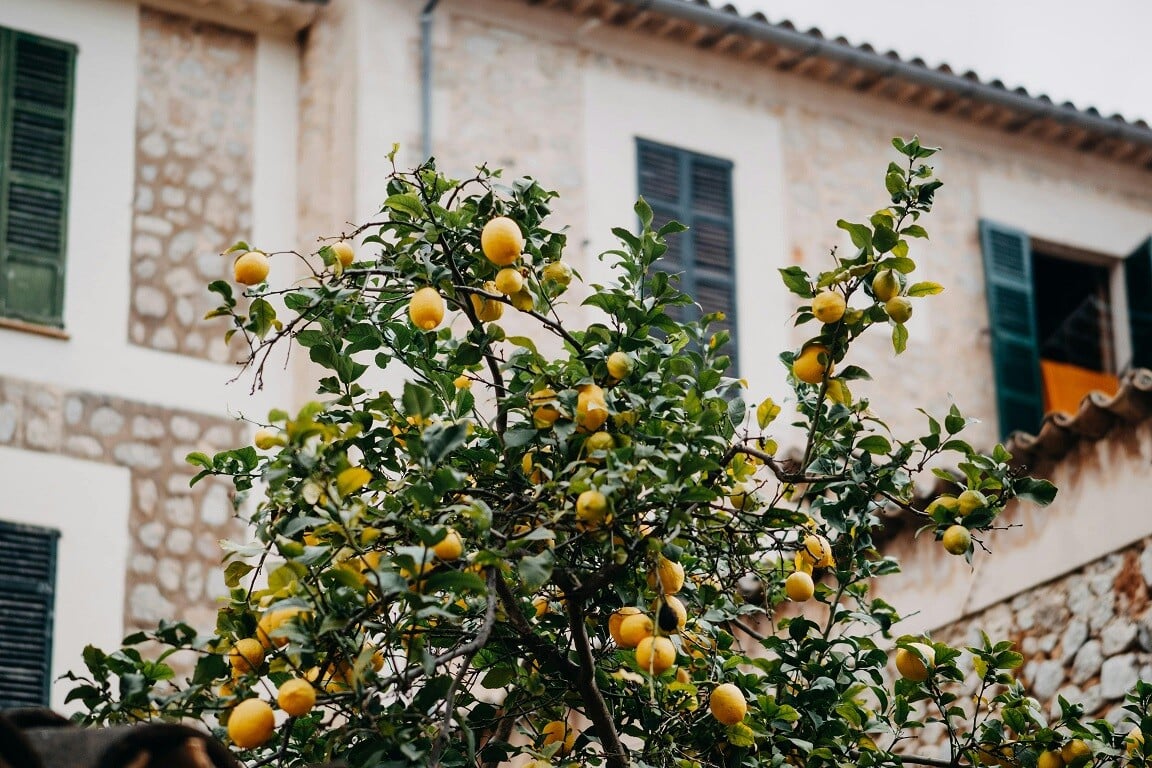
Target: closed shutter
36,79
1012,317
27,599
696,191
1138,279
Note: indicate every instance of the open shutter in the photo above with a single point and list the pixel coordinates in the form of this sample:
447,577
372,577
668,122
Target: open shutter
36,79
1012,317
1138,279
27,597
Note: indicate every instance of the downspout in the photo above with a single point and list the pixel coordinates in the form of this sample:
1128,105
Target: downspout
426,77
1037,108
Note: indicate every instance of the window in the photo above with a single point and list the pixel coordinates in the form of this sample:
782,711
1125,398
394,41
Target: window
695,190
36,77
1057,329
27,597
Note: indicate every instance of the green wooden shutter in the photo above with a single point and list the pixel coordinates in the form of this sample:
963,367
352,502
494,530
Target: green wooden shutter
1138,280
36,81
27,599
1012,317
695,190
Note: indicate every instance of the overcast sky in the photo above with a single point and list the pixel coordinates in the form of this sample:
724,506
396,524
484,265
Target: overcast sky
1095,54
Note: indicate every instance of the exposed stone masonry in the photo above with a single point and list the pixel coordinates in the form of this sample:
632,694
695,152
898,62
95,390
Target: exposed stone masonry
193,199
173,568
1086,636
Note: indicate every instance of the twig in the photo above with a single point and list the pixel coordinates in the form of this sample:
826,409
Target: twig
478,642
597,709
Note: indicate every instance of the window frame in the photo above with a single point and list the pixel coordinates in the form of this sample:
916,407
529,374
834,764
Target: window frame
1013,412
683,211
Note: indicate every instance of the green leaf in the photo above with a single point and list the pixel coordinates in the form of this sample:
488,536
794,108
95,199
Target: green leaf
924,289
766,412
885,239
261,317
914,230
899,337
895,184
417,400
875,444
235,571
405,203
861,235
525,342
796,280
456,582
644,211
1037,491
900,264
535,571
198,459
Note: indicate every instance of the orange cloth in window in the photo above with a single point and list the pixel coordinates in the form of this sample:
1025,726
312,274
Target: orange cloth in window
1065,385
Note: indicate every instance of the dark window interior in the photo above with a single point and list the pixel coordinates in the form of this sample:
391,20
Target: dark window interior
1073,312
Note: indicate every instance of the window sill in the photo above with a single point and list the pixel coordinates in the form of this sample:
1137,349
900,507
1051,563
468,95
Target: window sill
39,330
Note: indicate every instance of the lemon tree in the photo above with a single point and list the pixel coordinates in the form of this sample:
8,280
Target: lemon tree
596,556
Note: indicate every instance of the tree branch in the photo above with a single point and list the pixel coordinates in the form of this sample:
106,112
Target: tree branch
594,704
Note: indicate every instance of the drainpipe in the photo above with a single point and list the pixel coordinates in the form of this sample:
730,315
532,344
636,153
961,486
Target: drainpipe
426,77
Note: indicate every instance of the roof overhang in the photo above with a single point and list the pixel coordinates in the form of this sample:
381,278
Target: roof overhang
862,69
277,16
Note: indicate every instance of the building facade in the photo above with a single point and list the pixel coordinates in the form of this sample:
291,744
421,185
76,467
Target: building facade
194,123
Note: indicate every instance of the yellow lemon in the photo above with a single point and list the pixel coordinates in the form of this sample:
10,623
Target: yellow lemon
1134,740
523,300
957,539
591,508
559,732
619,365
912,667
273,620
509,281
557,272
247,655
501,241
1075,753
296,697
617,619
545,408
487,310
344,253
251,723
426,308
1050,758
266,438
655,655
670,575
817,548
969,501
634,628
251,268
886,285
727,704
591,408
828,306
671,615
600,441
450,547
898,308
799,586
812,364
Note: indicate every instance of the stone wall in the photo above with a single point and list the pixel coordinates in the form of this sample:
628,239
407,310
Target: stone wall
193,191
173,568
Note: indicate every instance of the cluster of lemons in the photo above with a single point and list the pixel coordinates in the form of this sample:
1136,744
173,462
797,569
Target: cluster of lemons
502,243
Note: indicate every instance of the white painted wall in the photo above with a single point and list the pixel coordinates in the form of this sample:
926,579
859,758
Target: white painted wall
620,109
88,503
97,356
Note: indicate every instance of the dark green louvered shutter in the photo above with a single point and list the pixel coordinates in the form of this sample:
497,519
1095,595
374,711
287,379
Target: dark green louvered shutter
695,190
36,78
1012,317
27,599
1138,279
